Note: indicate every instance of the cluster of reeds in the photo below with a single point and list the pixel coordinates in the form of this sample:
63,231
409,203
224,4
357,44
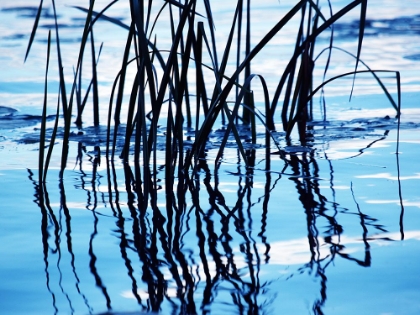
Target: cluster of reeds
187,85
180,93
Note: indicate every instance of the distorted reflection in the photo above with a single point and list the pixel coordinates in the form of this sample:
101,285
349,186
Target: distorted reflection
197,246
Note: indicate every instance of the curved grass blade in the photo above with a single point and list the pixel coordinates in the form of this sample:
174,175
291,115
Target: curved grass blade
253,112
184,7
388,95
373,72
299,50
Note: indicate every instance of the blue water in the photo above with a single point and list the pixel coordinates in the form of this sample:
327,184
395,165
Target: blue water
335,231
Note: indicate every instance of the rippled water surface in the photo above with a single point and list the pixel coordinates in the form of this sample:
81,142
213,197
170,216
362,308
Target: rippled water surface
335,230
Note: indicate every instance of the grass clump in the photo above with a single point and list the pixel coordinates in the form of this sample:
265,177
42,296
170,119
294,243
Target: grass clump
188,85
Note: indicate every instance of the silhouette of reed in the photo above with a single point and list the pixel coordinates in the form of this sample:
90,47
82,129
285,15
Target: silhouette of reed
186,87
174,228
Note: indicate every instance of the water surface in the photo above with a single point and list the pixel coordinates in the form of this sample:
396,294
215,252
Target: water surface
334,231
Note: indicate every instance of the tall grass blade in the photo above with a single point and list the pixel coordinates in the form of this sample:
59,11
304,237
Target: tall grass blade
67,111
34,29
60,63
246,115
362,25
44,118
53,137
95,93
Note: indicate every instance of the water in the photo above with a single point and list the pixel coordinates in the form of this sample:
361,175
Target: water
333,232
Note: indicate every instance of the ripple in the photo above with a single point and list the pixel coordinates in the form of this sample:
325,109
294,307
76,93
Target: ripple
404,25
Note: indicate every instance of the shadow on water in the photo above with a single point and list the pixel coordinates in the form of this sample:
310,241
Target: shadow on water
195,249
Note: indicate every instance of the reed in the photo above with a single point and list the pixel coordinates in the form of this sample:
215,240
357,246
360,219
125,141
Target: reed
187,85
179,94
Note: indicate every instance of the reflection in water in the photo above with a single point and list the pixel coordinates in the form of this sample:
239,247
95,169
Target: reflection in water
306,178
195,248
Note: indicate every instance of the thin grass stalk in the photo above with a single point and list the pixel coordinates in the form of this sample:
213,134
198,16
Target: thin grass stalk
79,105
34,29
311,62
68,111
213,51
299,104
147,152
148,14
176,95
185,60
252,117
198,55
397,153
108,131
302,113
137,95
169,155
141,134
121,83
60,63
44,119
52,140
362,26
182,87
291,75
248,98
299,109
95,93
295,99
131,122
327,64
200,82
238,43
199,79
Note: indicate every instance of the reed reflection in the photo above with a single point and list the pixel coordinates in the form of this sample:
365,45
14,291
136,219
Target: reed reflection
195,248
305,174
53,253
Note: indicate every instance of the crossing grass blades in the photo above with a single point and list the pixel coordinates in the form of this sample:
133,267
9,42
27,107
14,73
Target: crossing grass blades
187,85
